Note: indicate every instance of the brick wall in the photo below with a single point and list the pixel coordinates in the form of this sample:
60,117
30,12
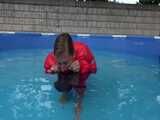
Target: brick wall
78,17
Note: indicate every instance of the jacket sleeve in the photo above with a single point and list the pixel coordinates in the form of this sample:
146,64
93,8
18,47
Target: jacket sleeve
86,65
49,62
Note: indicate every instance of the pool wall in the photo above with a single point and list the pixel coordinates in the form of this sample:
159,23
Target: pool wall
139,45
78,17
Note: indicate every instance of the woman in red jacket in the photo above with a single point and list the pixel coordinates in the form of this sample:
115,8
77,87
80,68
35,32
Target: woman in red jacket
73,62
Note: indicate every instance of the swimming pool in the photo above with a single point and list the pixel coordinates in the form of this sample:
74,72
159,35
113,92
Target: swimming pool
126,86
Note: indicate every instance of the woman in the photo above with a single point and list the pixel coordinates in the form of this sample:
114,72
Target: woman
73,62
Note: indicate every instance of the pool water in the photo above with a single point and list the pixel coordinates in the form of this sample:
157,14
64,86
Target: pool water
126,87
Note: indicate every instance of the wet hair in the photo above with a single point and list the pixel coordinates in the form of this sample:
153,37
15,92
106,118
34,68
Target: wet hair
63,44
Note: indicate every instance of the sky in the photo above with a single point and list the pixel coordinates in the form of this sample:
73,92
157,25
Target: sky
127,1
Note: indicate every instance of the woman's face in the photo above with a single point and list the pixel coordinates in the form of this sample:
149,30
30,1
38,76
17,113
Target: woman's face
63,54
64,62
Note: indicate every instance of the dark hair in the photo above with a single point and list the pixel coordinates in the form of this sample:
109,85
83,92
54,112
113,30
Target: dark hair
63,43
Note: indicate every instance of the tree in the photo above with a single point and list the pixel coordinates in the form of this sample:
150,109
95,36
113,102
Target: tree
99,0
149,2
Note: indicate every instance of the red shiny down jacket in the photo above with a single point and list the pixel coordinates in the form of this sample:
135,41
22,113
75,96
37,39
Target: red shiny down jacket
81,53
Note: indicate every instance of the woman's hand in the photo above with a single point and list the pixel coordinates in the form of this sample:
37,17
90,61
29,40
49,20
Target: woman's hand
53,69
75,66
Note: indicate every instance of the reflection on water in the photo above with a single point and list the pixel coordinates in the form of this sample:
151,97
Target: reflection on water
126,87
29,99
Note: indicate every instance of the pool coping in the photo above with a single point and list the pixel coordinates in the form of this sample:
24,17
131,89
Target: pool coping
80,35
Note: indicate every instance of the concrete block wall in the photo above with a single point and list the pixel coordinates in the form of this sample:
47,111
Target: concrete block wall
78,17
